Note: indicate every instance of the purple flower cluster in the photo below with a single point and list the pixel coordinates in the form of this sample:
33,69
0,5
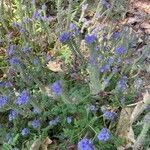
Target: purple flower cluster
12,115
105,68
10,50
85,144
14,61
121,84
23,98
6,84
120,50
109,115
3,100
64,37
56,88
103,135
89,39
54,121
92,108
25,132
36,123
115,35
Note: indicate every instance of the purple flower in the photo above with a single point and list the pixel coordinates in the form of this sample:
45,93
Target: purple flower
37,14
14,61
25,132
10,50
12,115
110,60
3,100
109,115
56,88
120,50
105,68
103,135
35,61
105,4
89,39
85,144
54,121
36,123
147,107
115,35
92,108
22,30
36,111
64,37
121,84
69,120
23,98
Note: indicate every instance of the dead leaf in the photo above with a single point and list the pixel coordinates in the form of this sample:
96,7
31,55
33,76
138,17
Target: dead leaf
36,144
123,126
55,66
146,98
45,144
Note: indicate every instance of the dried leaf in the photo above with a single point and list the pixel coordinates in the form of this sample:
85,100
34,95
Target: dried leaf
123,126
36,144
146,98
45,143
55,66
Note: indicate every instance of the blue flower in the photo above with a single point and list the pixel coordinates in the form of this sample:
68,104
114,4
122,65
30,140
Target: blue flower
120,50
109,115
89,39
36,123
110,60
115,35
54,121
103,135
105,68
3,101
25,132
69,120
36,111
14,61
92,108
10,51
105,4
85,144
56,88
23,98
121,84
12,115
64,37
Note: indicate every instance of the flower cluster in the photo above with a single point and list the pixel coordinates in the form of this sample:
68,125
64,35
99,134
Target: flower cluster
23,98
56,88
103,135
12,115
25,132
54,121
36,123
3,101
85,144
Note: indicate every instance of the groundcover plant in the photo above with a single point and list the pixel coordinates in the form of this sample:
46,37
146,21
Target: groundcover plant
66,74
